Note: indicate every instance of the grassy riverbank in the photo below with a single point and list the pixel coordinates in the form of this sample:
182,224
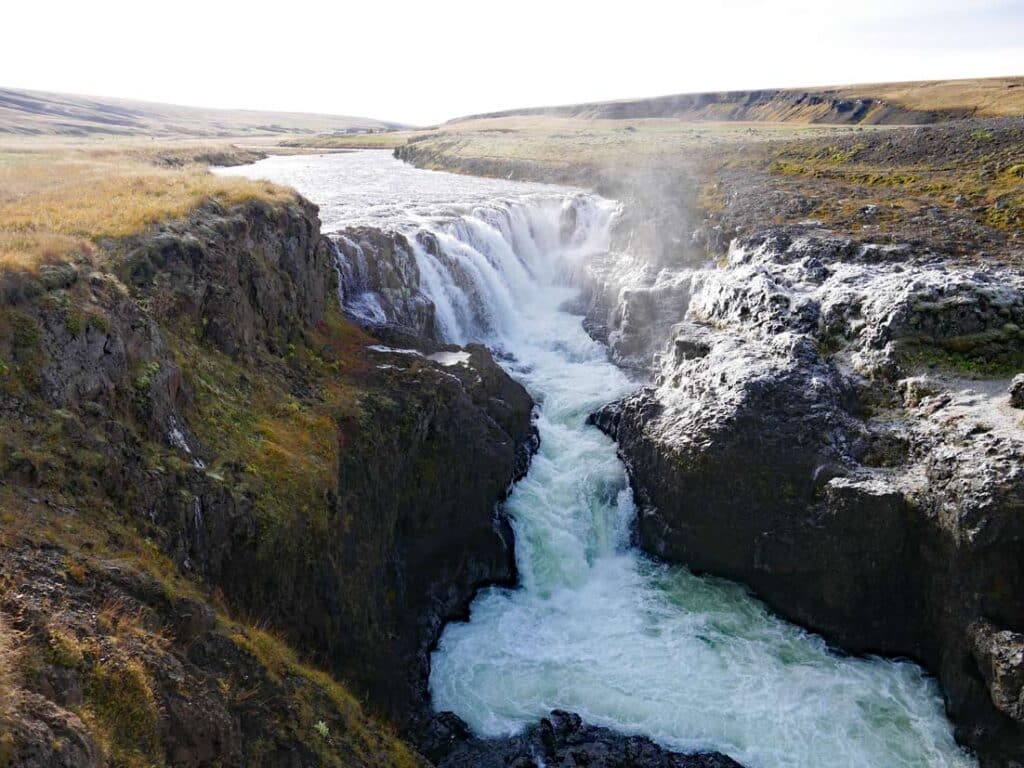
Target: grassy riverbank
57,200
957,187
111,651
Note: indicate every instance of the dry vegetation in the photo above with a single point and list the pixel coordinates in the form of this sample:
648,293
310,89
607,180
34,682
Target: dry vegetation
38,113
56,201
873,103
388,140
569,143
984,97
8,667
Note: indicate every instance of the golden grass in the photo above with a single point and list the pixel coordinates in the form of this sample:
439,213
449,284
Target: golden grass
986,97
387,140
615,147
121,709
318,696
54,204
8,670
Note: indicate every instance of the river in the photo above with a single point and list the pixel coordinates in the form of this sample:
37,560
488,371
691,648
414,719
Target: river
595,626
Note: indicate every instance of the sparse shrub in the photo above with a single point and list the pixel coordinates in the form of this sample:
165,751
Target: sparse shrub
322,730
8,665
144,379
25,330
73,323
74,570
63,649
120,702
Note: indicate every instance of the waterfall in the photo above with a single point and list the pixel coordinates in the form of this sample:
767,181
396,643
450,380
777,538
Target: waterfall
594,627
476,267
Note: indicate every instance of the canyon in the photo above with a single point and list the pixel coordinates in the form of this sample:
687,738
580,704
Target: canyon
291,482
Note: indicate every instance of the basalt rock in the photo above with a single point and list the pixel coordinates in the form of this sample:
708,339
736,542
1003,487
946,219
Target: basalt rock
380,282
790,441
560,740
416,527
106,366
1017,391
245,276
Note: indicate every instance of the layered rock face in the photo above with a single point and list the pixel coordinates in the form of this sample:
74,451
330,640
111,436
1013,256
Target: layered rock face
811,432
417,525
380,282
212,402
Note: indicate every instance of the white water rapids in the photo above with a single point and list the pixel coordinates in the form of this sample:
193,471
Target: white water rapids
595,627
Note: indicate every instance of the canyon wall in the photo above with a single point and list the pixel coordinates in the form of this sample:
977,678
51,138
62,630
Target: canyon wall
221,460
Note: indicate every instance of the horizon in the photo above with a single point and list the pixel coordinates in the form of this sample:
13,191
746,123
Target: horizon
661,52
404,126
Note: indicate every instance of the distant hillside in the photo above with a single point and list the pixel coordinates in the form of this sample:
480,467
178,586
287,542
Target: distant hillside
55,114
888,103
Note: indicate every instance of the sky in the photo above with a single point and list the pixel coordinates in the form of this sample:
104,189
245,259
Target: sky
425,62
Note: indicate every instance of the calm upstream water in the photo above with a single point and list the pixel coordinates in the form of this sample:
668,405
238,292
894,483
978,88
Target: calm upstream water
596,627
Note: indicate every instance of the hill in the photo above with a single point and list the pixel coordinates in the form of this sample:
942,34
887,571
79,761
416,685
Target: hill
37,113
907,103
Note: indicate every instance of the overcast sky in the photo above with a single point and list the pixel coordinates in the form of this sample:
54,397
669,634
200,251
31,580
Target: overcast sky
424,62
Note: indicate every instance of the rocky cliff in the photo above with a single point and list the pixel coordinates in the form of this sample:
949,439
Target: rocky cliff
813,432
206,466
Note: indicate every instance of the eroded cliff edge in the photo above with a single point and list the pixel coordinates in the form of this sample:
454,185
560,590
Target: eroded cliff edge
206,467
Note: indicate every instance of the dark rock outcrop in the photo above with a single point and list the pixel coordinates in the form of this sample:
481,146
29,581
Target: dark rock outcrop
415,527
248,277
560,740
787,445
360,573
1017,391
380,282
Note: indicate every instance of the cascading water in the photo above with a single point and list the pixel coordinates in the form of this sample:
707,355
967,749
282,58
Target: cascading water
595,627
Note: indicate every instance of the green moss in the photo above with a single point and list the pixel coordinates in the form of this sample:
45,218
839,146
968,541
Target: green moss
277,432
26,334
120,703
980,355
1006,214
330,720
981,135
74,323
144,375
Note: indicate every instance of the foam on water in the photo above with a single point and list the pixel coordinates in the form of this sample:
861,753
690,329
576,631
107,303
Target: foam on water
596,627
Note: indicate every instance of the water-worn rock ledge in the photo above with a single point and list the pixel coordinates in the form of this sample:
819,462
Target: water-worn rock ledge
792,442
561,740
